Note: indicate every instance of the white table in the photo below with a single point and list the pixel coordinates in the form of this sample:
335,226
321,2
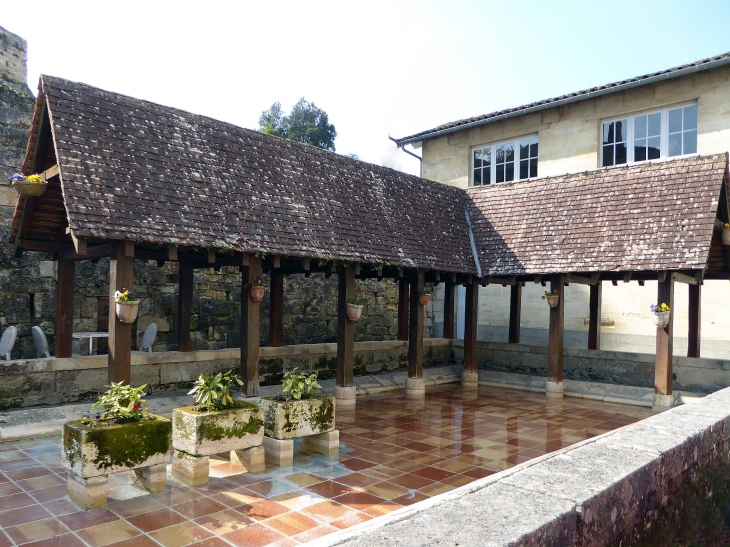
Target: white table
91,336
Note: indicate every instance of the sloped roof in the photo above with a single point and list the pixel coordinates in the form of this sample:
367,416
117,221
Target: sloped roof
614,87
651,216
135,170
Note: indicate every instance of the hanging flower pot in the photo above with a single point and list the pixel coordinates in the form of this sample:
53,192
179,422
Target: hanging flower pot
354,310
30,186
424,296
726,234
126,306
256,289
552,297
661,314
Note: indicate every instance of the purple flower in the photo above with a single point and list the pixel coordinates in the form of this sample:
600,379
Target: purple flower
16,176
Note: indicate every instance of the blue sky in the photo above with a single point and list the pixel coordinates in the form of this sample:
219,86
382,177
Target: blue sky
378,68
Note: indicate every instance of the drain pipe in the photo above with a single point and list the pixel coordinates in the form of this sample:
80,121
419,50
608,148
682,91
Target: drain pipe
419,158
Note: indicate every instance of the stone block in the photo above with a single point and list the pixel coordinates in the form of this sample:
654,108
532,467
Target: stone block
324,443
252,459
470,379
554,390
415,386
88,493
345,396
279,452
216,431
152,478
290,419
47,268
190,470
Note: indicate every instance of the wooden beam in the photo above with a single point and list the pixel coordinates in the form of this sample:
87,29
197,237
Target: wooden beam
471,316
100,251
250,331
664,341
357,268
65,308
276,261
594,322
121,277
129,249
537,279
25,220
403,305
415,328
306,264
345,328
695,320
579,280
172,253
79,244
51,172
515,309
211,256
627,277
184,306
504,281
449,308
45,246
276,309
682,278
39,148
556,336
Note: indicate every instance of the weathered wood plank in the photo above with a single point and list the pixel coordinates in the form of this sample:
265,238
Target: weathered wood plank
250,330
695,321
415,328
471,313
184,306
121,277
664,340
449,308
594,322
65,308
515,311
345,328
276,310
403,305
556,333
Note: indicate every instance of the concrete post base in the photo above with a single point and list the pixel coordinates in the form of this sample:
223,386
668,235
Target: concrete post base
323,443
190,470
278,452
152,478
415,386
554,390
470,379
88,493
346,396
662,402
252,459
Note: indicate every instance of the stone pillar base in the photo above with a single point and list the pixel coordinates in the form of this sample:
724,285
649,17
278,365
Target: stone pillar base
415,386
470,379
662,402
279,452
324,443
90,493
346,396
554,390
252,459
190,470
152,478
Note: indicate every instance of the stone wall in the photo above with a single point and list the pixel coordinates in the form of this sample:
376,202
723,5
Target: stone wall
55,381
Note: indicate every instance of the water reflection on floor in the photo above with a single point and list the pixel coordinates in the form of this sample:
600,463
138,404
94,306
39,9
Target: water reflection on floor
395,451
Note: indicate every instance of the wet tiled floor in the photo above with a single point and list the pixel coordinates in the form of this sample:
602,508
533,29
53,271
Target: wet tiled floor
394,452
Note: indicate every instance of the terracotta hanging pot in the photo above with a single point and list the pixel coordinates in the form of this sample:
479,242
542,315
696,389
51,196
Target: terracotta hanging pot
661,318
354,311
256,293
30,189
424,298
127,312
553,301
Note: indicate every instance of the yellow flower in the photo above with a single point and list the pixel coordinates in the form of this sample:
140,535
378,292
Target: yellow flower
34,178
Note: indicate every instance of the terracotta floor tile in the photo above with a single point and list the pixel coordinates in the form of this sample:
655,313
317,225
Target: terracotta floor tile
386,490
327,511
411,481
28,473
433,473
14,501
256,535
271,487
245,479
382,509
22,515
303,479
9,488
49,494
350,520
179,494
154,520
34,531
21,463
382,472
237,497
5,540
358,480
136,506
356,464
211,542
329,489
291,523
65,540
40,482
63,506
436,488
87,519
262,509
198,507
224,521
298,499
404,466
138,541
358,500
314,533
111,532
181,534
458,480
409,499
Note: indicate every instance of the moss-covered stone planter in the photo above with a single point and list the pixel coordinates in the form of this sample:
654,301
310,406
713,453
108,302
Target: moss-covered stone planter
197,435
91,452
313,419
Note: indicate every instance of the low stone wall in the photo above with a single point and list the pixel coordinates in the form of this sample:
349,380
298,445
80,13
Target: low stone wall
657,482
610,367
54,381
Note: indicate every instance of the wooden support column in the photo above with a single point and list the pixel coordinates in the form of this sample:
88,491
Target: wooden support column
121,277
664,345
471,314
345,328
695,320
594,323
250,330
415,330
515,309
449,311
65,308
554,387
403,305
276,309
184,306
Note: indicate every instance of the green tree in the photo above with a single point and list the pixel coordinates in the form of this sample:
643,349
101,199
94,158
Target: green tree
305,123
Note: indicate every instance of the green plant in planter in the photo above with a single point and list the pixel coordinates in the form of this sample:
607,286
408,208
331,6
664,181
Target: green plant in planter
299,385
355,301
121,404
215,392
425,290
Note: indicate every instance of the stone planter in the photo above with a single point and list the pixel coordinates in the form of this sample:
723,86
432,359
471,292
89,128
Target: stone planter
30,189
256,293
552,301
127,312
198,435
354,311
424,298
661,319
93,453
726,236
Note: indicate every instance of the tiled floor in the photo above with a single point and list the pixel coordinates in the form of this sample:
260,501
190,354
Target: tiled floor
394,452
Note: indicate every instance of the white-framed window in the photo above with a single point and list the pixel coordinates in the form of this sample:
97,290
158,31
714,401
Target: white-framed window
505,161
650,135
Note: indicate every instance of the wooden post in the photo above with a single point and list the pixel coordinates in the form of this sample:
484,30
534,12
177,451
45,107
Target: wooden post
276,309
554,387
403,304
250,330
695,320
415,330
121,277
345,328
664,343
184,306
515,308
65,308
449,312
471,315
594,323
